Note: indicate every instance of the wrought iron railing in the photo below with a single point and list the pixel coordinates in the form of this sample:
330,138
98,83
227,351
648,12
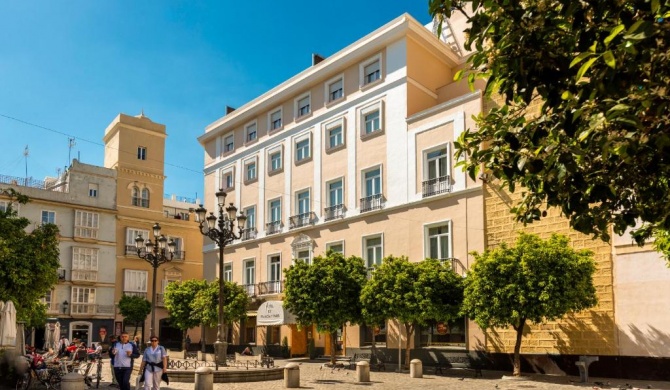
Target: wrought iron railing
334,212
271,287
273,227
301,220
372,202
131,250
436,186
456,265
248,234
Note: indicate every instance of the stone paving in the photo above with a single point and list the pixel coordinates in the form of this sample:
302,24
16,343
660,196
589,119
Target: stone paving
313,375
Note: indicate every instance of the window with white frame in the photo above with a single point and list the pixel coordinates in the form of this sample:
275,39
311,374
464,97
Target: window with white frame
135,282
83,300
132,233
275,163
227,178
302,248
334,133
372,182
274,268
141,153
4,205
229,143
302,106
335,89
86,224
304,255
438,240
250,213
370,70
373,250
251,132
335,193
250,173
275,210
48,216
140,198
84,264
249,276
436,163
92,190
228,272
337,246
275,120
302,148
179,247
371,119
144,202
302,202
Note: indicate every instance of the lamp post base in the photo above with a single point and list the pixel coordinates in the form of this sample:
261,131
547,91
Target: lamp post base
220,349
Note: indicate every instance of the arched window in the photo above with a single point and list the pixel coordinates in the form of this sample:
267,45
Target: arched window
136,196
145,197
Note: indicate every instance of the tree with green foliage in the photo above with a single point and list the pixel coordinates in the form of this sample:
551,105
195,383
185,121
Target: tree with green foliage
134,309
179,298
206,304
412,293
599,147
533,281
29,261
325,293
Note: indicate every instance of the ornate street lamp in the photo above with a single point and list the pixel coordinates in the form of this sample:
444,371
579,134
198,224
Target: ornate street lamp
155,254
223,234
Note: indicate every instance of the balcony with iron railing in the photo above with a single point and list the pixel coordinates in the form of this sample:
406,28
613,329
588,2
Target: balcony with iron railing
301,220
131,251
273,227
179,255
84,276
248,234
334,212
78,309
455,265
141,294
372,202
250,289
271,287
436,186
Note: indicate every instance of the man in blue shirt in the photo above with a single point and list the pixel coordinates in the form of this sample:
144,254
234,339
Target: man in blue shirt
124,352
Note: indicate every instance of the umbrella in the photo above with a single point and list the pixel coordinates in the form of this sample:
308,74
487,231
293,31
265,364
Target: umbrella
8,328
21,338
47,336
56,336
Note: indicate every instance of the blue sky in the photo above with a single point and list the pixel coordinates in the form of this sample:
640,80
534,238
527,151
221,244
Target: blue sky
72,66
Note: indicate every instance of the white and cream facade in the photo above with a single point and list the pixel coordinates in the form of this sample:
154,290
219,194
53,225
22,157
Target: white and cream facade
354,154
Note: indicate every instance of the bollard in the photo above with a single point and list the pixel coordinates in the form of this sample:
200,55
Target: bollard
72,381
363,371
291,376
204,379
415,368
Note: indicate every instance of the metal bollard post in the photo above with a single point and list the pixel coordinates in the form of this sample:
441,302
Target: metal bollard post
72,381
204,379
363,372
415,368
291,376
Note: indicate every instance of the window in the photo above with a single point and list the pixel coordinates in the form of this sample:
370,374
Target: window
145,198
444,333
334,134
140,198
275,120
436,172
229,143
335,90
337,246
135,196
302,106
227,178
437,163
375,333
251,133
438,245
250,212
372,122
84,264
302,149
141,153
131,235
135,282
83,300
373,182
371,71
275,161
4,205
303,202
275,210
86,224
304,255
228,272
48,217
179,253
250,169
92,190
249,276
373,251
335,193
274,273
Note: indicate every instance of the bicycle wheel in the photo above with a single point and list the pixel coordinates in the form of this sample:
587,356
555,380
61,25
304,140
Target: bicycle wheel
98,374
24,381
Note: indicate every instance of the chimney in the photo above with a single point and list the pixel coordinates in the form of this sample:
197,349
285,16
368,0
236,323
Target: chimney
229,109
316,58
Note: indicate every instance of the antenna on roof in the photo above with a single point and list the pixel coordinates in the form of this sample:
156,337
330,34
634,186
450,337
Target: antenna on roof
26,153
70,144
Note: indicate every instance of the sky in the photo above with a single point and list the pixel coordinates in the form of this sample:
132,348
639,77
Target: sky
68,68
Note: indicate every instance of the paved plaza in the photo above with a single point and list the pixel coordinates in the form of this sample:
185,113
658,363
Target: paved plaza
314,376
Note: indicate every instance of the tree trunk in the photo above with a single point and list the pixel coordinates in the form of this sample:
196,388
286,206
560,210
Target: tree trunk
409,331
333,346
203,342
517,347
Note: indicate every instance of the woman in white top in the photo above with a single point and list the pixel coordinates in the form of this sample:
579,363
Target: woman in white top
154,363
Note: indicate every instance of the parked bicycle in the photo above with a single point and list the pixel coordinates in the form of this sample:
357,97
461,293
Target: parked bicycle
91,370
48,374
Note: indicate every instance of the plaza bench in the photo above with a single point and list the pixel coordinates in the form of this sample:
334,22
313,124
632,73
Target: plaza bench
374,361
583,365
475,366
